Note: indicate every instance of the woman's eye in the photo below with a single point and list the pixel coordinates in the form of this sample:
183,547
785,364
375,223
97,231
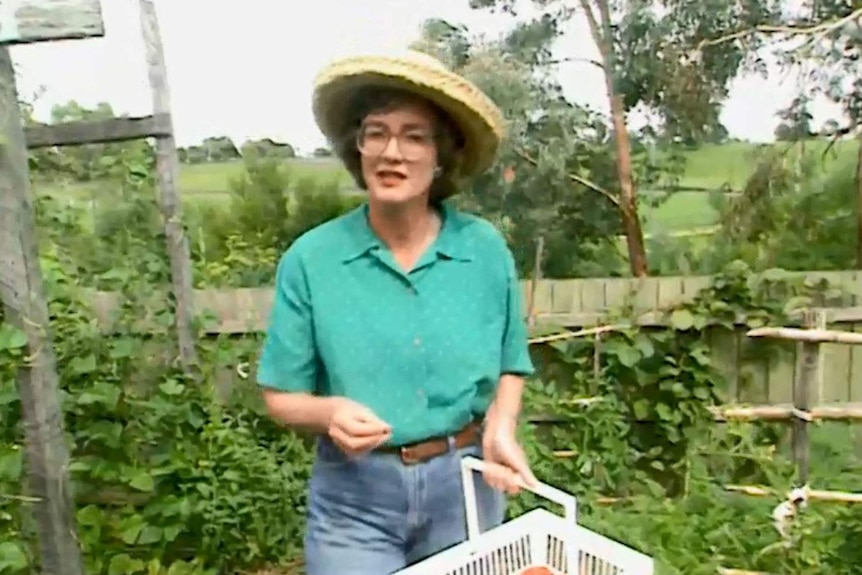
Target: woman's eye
374,134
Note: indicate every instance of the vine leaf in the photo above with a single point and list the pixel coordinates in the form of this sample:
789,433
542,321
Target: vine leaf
682,319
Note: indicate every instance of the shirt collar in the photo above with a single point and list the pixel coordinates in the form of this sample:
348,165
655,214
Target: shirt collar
451,242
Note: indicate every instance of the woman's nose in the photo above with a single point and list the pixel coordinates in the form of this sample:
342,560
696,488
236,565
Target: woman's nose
392,151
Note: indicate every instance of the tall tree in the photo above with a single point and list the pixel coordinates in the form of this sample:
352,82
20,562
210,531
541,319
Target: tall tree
551,162
653,54
820,41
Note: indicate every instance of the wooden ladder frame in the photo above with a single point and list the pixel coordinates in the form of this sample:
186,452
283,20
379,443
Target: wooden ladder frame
21,286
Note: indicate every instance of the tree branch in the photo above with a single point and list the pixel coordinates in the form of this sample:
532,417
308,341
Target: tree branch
595,29
835,137
817,31
589,61
573,177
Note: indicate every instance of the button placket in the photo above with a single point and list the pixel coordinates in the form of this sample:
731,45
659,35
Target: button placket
417,341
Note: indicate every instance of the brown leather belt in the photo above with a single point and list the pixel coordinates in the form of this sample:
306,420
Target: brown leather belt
423,451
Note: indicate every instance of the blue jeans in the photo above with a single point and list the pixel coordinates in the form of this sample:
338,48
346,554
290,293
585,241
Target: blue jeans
374,515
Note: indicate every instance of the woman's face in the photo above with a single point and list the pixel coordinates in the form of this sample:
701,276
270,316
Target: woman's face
398,153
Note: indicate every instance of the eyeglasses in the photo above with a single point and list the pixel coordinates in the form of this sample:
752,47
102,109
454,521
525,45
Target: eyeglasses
414,144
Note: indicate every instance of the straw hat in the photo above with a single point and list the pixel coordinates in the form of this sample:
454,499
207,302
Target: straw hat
478,118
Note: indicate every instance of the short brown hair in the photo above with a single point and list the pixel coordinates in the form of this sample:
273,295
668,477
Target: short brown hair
447,137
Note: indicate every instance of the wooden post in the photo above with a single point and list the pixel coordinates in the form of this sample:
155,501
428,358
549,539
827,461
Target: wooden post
25,307
168,167
806,381
537,277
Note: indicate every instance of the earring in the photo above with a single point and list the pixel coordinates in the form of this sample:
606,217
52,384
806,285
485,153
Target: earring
437,171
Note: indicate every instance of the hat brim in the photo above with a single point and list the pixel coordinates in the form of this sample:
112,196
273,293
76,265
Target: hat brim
477,117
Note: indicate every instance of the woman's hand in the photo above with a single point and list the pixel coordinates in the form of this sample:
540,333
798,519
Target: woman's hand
500,446
355,429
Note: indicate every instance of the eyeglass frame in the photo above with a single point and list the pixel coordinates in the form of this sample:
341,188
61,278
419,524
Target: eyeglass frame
431,134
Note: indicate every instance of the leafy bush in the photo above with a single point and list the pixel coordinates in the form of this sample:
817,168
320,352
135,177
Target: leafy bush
239,243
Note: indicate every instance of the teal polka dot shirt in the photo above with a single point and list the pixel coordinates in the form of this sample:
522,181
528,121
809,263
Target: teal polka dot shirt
424,350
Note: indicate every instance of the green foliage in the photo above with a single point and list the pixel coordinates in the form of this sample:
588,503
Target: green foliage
268,210
549,140
795,212
86,163
235,241
174,477
828,65
636,442
566,186
170,477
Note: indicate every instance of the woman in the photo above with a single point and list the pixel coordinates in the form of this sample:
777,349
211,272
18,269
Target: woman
396,331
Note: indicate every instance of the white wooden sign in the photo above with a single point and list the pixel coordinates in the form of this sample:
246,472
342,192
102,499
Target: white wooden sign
28,21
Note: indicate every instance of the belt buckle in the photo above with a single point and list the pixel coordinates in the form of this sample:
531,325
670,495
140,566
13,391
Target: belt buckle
408,456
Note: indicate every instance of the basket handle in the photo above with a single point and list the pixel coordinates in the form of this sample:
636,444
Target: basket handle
470,464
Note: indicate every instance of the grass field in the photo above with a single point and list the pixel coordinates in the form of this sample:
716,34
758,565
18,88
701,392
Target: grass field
714,166
710,166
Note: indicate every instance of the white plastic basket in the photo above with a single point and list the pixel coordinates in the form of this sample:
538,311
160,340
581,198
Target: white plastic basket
537,538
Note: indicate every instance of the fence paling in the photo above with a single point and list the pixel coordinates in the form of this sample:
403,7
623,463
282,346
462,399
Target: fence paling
578,305
570,303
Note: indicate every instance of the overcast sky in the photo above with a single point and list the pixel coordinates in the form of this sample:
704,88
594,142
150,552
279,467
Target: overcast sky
245,69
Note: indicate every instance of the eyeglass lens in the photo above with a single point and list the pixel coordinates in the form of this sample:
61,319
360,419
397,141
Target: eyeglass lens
412,143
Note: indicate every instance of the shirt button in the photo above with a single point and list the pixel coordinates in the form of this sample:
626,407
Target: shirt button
417,342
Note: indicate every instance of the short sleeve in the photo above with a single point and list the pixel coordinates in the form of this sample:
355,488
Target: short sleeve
288,361
516,355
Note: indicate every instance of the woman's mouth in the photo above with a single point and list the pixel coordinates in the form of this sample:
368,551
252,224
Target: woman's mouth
390,178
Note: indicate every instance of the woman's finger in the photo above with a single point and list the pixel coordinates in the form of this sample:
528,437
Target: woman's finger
366,416
356,445
516,460
359,424
501,478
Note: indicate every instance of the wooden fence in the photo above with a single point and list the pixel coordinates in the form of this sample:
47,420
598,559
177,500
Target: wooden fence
753,377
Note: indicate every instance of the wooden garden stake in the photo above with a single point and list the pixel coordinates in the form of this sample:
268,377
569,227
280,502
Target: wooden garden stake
21,288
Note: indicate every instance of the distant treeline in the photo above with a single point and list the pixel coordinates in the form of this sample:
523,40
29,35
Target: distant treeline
223,149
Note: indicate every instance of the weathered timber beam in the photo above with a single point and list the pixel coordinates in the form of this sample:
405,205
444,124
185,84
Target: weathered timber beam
25,307
842,412
808,335
28,21
167,176
811,494
98,131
